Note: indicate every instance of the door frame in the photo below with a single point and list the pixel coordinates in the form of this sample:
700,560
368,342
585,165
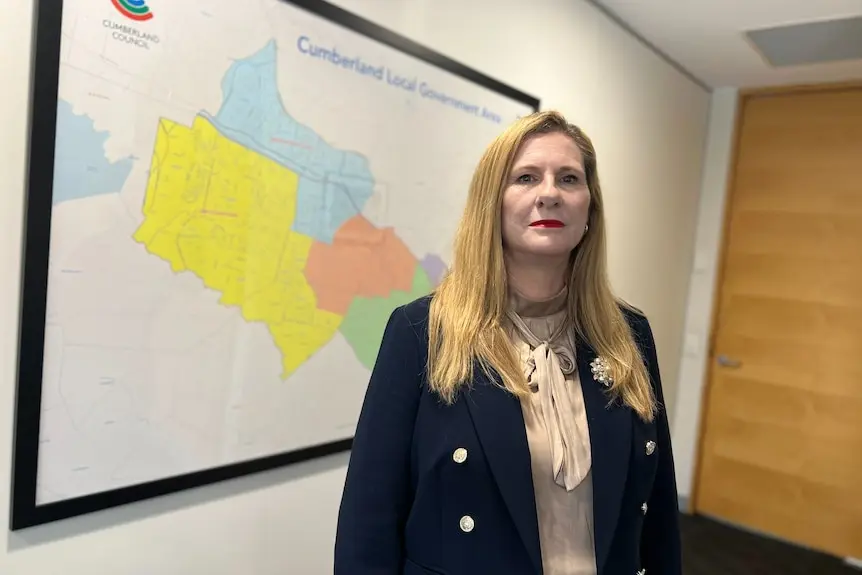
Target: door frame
742,99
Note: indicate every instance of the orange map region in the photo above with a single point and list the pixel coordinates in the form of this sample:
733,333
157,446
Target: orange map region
361,261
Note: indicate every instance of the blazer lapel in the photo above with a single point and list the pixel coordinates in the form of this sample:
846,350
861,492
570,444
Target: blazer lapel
499,424
610,438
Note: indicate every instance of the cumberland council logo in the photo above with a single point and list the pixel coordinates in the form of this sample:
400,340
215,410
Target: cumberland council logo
133,9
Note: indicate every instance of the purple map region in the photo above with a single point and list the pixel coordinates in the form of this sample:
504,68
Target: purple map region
434,267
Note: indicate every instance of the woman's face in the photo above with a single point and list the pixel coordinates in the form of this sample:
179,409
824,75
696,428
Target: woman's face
546,201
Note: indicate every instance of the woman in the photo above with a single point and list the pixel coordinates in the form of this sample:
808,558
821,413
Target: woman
514,423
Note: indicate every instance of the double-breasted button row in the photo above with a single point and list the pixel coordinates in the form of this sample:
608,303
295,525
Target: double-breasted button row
466,523
650,449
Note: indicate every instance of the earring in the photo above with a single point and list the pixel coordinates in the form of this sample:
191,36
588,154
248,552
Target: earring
586,228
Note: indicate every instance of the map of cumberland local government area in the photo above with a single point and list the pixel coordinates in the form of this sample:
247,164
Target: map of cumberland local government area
268,214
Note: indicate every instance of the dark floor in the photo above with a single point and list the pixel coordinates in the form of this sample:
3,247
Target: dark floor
711,548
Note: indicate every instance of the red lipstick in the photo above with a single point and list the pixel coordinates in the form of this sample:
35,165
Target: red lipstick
547,224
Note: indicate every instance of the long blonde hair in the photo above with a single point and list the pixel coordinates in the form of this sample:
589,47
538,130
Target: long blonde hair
466,322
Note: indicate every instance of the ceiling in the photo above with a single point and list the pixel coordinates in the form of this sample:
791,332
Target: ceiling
708,37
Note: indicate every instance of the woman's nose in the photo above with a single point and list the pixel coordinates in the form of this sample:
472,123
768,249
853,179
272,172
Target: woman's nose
547,194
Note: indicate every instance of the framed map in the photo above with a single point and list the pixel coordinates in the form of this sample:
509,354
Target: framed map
226,201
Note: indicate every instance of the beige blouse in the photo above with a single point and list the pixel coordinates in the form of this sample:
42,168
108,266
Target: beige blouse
557,434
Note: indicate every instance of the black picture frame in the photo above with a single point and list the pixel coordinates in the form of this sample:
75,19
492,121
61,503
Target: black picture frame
34,290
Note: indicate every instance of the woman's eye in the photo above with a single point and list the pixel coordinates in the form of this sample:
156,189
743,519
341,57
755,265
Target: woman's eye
525,178
570,179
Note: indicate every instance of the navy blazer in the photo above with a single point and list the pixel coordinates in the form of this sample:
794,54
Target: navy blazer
405,494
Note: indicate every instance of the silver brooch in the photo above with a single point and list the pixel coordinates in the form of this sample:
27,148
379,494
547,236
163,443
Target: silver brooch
602,371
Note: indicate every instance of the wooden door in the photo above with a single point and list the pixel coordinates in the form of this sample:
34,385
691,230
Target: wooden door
781,445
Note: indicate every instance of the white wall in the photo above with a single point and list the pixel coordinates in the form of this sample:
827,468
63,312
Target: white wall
649,124
702,288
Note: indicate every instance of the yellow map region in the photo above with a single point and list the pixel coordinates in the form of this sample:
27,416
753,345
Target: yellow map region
224,212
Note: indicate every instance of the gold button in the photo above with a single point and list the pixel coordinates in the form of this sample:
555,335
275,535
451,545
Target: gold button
460,455
467,524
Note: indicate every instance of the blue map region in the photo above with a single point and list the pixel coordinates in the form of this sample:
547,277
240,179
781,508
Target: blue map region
334,185
81,169
434,267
